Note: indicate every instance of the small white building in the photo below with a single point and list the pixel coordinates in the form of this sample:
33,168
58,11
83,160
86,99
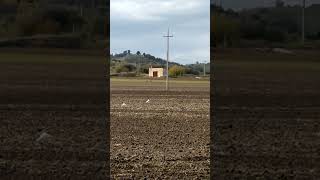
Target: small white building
157,72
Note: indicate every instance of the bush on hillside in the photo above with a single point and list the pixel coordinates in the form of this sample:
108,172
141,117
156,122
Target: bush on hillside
176,71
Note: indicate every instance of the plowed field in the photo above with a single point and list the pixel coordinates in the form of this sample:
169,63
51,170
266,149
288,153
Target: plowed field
166,137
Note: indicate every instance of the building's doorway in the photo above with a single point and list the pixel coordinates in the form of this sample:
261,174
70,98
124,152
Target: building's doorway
155,73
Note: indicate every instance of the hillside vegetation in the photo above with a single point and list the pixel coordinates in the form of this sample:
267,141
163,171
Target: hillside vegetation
82,22
139,63
278,26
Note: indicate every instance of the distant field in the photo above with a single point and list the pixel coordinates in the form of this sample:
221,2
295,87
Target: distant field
44,56
150,83
252,60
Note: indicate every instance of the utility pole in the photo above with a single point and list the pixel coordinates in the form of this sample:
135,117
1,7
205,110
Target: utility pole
168,36
303,21
81,10
204,68
139,65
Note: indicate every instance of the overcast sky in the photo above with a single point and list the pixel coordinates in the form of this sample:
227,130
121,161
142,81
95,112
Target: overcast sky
141,25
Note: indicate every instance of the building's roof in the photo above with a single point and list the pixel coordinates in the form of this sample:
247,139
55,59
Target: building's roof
156,68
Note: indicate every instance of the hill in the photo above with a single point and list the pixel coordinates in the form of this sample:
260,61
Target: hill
141,58
276,26
22,22
140,63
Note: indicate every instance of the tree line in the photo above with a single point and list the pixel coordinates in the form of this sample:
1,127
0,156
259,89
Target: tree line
23,18
263,26
138,62
138,53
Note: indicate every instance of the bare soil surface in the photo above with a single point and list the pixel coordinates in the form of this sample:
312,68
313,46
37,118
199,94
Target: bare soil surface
167,137
52,116
266,111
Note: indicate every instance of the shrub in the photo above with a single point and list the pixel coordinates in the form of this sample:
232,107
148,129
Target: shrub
175,71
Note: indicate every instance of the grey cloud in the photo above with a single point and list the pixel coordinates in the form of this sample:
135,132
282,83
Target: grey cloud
189,24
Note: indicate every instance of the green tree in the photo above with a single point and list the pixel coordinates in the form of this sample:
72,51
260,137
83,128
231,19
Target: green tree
121,68
225,29
176,71
125,68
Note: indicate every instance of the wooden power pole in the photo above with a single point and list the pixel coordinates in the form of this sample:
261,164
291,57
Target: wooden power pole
303,21
168,36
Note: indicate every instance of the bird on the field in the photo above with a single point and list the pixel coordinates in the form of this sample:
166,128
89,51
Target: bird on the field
123,104
148,101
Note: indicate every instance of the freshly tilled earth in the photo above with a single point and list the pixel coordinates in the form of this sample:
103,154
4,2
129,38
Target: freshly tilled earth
266,116
52,119
167,137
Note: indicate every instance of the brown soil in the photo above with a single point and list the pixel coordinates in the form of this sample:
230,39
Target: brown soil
166,138
266,117
66,101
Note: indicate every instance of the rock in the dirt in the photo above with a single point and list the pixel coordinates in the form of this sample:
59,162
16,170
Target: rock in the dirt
123,105
44,137
281,50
